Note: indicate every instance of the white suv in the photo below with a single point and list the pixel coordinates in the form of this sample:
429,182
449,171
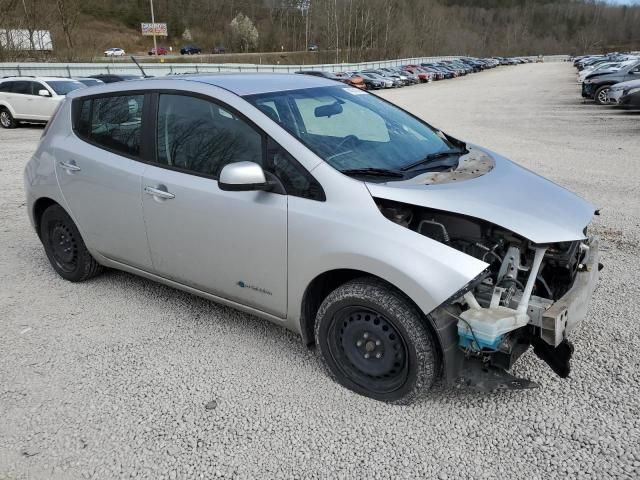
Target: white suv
32,99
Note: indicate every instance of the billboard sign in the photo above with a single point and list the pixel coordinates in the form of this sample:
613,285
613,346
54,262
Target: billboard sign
149,29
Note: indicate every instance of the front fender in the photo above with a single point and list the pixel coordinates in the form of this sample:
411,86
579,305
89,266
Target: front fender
351,233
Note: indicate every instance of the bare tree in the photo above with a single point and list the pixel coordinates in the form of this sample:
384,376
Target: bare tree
68,13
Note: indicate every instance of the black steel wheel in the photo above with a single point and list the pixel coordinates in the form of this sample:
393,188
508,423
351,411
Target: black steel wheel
369,348
375,342
64,246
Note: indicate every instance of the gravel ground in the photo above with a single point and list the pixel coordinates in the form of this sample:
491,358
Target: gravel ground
121,378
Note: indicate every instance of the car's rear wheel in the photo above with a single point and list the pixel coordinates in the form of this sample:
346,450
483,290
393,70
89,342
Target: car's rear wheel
6,119
64,246
375,342
601,96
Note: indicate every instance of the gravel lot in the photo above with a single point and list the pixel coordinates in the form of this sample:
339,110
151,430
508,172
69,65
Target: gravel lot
112,378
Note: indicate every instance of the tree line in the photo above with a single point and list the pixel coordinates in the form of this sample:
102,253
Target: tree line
347,30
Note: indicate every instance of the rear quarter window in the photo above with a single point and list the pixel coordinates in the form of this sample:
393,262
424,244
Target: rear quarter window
113,123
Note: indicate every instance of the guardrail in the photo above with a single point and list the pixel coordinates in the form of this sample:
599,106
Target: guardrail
156,69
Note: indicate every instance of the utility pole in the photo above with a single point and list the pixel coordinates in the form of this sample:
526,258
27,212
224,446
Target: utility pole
153,26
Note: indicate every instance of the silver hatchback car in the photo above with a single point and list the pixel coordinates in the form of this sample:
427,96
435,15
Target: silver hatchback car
403,253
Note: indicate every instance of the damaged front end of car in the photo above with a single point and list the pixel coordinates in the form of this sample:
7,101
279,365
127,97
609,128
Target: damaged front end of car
529,295
533,292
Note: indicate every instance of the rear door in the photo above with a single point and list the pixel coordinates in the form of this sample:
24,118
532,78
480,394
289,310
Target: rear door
99,168
20,97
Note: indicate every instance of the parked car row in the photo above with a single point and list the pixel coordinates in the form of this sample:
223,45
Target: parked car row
611,79
34,99
409,74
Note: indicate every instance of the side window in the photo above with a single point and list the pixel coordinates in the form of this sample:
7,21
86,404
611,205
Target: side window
22,87
197,135
6,86
324,116
116,122
36,87
296,180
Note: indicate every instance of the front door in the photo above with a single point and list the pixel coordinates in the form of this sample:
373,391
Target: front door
100,175
230,244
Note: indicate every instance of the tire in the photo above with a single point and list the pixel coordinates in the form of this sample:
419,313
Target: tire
601,95
64,246
6,119
359,324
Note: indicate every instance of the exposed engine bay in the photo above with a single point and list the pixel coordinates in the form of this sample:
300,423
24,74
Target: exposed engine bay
509,307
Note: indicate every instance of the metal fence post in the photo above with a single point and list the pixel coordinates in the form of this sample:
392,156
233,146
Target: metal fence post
68,71
197,71
19,72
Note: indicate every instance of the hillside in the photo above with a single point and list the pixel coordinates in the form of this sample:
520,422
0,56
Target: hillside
345,30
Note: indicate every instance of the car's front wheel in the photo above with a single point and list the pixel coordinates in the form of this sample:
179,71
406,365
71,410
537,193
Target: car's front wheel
64,246
6,119
375,342
601,97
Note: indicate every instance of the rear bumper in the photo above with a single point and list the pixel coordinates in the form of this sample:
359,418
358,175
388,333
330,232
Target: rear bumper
570,310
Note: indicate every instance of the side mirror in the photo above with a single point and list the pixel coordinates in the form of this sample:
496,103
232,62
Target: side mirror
243,177
44,93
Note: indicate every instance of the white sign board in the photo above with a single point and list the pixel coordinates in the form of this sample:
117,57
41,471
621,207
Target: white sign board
149,29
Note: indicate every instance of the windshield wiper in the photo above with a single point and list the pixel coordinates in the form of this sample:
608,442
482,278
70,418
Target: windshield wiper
378,172
434,156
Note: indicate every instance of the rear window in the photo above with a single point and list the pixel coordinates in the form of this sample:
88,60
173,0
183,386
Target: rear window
62,87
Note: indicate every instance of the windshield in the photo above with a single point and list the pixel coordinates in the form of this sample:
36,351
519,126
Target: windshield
62,87
351,129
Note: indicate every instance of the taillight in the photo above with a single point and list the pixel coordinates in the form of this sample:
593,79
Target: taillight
53,116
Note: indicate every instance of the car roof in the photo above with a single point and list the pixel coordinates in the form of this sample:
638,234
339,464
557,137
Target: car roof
239,83
44,79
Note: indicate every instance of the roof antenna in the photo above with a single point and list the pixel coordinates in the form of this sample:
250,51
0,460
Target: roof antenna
141,69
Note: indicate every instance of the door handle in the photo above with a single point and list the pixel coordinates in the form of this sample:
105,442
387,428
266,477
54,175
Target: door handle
159,192
70,166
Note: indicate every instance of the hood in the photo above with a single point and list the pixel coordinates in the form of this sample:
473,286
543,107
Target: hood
499,192
599,73
626,85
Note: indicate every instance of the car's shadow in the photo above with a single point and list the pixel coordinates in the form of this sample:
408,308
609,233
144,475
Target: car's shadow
281,341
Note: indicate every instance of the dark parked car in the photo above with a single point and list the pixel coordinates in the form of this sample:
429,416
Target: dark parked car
631,99
597,85
112,77
217,50
190,50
